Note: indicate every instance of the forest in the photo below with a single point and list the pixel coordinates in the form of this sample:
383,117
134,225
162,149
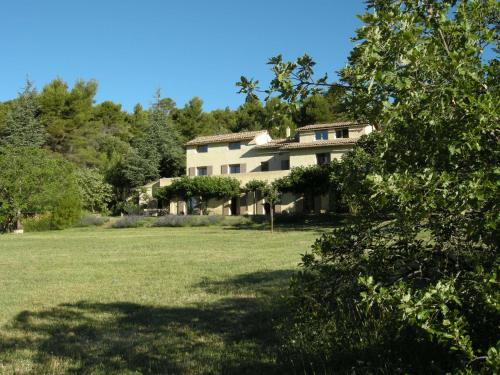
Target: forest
118,151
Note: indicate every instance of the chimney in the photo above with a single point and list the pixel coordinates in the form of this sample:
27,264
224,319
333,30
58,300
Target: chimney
288,133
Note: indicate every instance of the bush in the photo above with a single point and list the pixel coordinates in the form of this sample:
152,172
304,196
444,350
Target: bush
198,221
39,223
131,221
92,220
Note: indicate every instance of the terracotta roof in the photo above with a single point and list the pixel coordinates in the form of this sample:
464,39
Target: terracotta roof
221,138
330,142
276,143
333,125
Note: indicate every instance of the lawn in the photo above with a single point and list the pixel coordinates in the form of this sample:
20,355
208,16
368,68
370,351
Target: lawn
145,300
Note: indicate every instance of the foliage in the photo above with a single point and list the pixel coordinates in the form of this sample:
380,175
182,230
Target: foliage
269,192
419,292
195,221
22,124
96,194
37,223
352,177
314,110
201,187
92,221
129,221
33,182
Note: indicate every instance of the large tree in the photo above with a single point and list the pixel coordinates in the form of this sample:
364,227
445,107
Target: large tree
34,181
22,127
418,292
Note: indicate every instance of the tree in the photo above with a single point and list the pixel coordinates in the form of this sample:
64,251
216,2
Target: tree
162,142
269,192
423,285
35,181
255,187
315,109
189,121
96,194
22,124
271,195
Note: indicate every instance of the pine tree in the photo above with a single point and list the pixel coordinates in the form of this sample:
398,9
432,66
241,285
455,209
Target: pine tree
22,124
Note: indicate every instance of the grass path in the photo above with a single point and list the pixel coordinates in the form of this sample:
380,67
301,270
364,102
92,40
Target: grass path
147,300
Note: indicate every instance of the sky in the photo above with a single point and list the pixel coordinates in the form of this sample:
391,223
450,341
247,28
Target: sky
185,48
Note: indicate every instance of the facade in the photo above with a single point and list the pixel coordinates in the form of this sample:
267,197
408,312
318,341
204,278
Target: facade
256,156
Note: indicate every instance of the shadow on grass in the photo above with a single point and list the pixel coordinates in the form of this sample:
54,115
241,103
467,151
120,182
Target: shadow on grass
285,223
232,336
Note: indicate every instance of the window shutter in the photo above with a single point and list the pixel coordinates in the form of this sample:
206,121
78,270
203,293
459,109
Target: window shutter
223,169
191,171
243,168
210,170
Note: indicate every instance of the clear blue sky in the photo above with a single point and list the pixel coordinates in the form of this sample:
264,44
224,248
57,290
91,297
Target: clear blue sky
187,48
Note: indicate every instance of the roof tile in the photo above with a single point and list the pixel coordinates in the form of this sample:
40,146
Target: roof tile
333,125
224,138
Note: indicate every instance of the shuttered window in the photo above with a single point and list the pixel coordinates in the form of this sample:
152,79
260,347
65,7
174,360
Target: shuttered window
234,168
321,135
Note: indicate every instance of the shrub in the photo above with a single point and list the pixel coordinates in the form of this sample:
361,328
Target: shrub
131,221
39,223
198,221
92,220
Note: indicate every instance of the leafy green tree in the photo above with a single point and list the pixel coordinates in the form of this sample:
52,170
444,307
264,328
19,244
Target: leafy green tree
96,194
34,181
269,192
422,287
22,126
271,195
314,110
165,140
189,121
250,116
255,187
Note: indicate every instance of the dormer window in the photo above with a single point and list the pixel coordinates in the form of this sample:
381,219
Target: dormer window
202,148
321,135
234,145
342,133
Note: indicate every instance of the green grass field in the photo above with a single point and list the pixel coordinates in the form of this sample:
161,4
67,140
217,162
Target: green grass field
146,300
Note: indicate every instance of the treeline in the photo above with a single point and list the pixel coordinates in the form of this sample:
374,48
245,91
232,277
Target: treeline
114,152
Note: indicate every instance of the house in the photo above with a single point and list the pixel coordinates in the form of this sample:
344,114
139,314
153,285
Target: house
254,155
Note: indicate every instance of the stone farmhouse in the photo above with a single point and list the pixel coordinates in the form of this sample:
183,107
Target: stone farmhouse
254,155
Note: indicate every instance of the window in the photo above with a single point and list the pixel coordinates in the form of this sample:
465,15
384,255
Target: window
202,148
234,145
202,171
285,165
234,168
342,133
321,135
322,159
264,166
